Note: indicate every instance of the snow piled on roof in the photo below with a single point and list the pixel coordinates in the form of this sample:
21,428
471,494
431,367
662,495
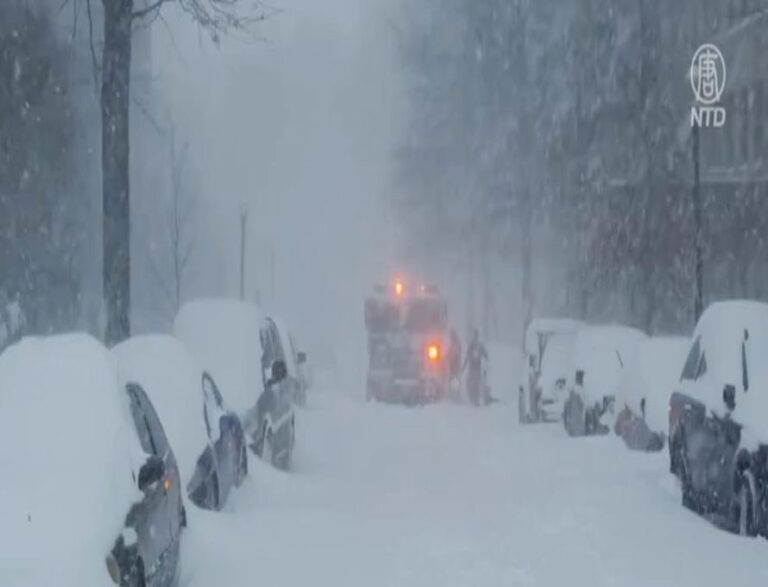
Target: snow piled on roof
653,373
172,379
224,336
548,325
68,454
722,330
602,352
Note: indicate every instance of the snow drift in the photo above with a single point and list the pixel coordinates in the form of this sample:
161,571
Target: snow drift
68,453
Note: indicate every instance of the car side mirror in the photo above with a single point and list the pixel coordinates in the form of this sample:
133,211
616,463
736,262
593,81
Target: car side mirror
151,472
579,377
279,372
301,357
729,397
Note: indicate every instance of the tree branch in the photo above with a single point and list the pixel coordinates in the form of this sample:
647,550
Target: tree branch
147,10
94,61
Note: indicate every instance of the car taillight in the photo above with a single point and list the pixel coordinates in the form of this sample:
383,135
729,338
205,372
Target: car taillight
433,352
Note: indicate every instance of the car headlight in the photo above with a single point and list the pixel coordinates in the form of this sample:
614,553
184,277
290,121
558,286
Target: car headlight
113,567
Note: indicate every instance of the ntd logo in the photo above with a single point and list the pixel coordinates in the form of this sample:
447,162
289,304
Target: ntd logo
708,83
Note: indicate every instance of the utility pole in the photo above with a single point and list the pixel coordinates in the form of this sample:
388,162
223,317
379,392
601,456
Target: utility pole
243,224
698,300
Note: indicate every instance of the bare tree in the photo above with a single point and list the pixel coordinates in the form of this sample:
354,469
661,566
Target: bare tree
169,259
121,17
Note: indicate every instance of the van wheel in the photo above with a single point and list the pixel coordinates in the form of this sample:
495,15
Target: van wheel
747,505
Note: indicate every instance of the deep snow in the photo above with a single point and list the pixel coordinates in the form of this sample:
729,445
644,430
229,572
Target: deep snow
449,495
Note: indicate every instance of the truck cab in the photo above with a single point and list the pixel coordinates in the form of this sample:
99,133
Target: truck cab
407,344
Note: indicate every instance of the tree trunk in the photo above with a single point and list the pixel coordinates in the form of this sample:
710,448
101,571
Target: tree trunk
115,105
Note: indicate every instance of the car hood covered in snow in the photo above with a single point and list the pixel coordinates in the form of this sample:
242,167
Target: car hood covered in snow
69,453
173,381
602,352
224,336
653,373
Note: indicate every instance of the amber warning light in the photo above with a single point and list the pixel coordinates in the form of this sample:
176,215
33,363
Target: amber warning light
433,352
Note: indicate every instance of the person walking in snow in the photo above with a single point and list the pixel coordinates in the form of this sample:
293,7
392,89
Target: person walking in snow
473,363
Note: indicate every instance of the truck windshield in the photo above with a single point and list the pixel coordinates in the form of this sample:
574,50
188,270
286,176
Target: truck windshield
381,317
424,315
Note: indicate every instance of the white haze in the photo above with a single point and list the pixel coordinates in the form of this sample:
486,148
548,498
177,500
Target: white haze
300,128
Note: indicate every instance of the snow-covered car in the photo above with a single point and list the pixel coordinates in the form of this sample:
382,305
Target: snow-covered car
651,376
91,478
718,417
240,347
294,363
599,356
548,347
207,437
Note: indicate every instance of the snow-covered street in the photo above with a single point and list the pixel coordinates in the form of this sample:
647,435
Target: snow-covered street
449,495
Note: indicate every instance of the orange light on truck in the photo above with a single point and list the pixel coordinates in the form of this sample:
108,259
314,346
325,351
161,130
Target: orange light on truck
433,352
399,288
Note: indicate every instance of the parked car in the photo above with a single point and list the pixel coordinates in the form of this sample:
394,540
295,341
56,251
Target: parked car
241,348
294,362
718,432
548,347
648,381
208,438
599,356
92,490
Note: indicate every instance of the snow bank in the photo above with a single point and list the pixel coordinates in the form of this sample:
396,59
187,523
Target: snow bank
173,381
225,338
602,352
653,373
67,451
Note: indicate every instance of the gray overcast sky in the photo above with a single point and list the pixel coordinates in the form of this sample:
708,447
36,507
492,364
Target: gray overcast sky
301,127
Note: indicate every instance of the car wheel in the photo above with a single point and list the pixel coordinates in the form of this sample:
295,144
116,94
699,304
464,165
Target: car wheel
747,504
267,448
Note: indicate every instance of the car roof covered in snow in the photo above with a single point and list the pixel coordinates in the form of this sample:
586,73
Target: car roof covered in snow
548,325
721,330
172,379
225,338
602,352
653,373
70,453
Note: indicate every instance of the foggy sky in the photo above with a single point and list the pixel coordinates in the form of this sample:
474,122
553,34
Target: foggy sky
300,128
